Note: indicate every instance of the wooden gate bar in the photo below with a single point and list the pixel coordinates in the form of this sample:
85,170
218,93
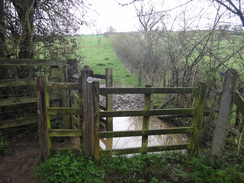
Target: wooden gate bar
144,150
65,132
152,112
180,130
105,91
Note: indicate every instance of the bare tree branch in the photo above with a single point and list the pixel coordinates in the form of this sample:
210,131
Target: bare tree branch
129,3
229,5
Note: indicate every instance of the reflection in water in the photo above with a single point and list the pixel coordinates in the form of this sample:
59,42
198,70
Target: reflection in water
135,123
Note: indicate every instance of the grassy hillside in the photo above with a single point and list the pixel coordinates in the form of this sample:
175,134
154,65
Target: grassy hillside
98,54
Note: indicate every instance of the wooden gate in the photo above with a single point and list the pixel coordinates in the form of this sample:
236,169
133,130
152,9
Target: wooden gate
91,114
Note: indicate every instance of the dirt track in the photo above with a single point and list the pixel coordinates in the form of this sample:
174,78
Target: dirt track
20,165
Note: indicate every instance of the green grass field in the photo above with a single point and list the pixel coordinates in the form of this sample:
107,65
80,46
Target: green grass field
98,54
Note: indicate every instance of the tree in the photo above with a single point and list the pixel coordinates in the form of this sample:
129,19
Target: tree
111,29
150,22
185,55
234,6
25,10
2,36
28,22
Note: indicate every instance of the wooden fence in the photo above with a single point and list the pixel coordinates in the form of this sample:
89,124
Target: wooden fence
91,114
229,96
15,84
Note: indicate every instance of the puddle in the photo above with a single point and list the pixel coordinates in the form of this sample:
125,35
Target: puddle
135,123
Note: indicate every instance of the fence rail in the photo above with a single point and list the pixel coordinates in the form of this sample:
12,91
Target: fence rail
186,90
182,130
32,62
152,112
144,149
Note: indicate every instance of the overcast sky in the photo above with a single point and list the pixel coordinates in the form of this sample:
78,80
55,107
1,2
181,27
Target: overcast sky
106,13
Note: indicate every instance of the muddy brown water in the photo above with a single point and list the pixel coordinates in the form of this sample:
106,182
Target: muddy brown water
135,123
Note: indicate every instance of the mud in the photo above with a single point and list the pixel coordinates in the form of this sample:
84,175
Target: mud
20,165
126,102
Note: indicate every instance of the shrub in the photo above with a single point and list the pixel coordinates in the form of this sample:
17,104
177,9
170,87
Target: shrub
4,147
69,168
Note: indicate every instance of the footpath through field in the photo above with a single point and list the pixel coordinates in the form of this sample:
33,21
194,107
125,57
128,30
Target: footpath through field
98,54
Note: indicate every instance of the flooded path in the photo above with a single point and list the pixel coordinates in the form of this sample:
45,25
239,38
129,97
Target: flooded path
135,123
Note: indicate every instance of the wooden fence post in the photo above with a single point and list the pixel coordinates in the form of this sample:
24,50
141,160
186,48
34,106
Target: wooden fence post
109,98
88,123
223,114
96,121
197,120
145,125
44,125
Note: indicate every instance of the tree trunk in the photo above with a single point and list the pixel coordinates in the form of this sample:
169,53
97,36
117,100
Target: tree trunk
25,10
2,30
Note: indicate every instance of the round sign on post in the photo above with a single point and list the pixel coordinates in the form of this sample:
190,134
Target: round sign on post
89,80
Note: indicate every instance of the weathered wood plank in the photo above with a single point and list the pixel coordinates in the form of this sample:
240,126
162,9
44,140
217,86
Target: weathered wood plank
20,100
17,82
63,85
17,100
105,91
30,62
18,122
143,150
182,130
65,132
153,112
64,110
